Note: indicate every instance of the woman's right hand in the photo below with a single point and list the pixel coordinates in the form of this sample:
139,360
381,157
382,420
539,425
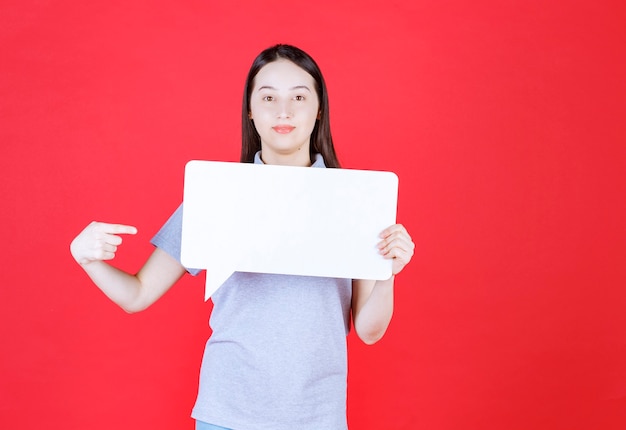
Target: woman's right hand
98,241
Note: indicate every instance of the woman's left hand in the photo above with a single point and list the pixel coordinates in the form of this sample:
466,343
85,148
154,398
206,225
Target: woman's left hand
396,244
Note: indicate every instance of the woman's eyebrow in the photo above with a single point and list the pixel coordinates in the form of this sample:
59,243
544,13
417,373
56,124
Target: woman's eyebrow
297,87
300,87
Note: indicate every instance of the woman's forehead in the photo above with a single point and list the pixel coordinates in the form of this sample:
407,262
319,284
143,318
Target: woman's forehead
283,74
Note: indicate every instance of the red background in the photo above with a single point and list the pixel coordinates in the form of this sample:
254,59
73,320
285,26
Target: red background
504,121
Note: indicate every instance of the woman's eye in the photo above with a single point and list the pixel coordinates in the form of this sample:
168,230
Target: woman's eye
299,98
268,98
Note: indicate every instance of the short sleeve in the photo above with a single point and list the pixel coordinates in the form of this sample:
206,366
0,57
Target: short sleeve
168,238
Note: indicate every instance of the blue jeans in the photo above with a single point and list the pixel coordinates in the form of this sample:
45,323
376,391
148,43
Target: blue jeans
201,425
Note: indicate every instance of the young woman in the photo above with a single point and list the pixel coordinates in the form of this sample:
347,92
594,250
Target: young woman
276,358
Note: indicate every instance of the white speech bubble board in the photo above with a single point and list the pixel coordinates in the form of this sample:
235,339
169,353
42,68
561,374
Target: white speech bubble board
285,220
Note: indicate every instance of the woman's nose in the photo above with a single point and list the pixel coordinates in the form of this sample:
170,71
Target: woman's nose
285,110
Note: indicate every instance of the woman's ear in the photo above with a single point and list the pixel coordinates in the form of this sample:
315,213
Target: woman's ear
249,115
319,114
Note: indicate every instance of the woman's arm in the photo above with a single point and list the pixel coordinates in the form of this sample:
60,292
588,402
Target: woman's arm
98,242
372,301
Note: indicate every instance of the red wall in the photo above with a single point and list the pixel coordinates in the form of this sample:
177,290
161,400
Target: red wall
504,121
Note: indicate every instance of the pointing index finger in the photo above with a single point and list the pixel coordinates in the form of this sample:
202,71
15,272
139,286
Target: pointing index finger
120,229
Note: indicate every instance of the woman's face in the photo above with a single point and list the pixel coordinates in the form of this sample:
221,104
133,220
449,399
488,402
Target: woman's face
284,108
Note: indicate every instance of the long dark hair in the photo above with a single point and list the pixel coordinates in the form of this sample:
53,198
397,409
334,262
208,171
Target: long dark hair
321,139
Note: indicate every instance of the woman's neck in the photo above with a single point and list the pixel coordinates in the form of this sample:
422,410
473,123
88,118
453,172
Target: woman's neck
299,158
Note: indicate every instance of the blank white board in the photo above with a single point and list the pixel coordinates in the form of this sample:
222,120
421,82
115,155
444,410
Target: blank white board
285,220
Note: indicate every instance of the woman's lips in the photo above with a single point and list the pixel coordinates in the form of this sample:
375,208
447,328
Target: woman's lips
283,128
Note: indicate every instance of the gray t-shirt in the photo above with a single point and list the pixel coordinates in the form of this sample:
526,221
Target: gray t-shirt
277,357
